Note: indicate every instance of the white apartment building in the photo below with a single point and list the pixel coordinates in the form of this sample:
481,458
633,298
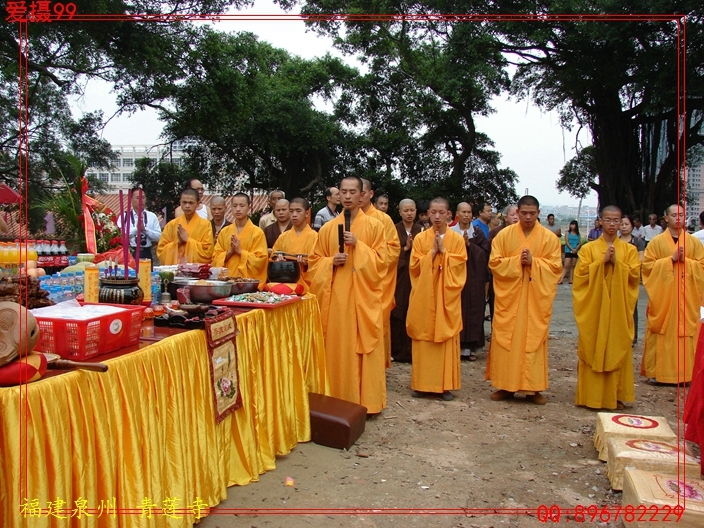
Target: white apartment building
118,176
695,191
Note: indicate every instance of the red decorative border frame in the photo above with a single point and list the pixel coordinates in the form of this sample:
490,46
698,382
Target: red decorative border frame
543,512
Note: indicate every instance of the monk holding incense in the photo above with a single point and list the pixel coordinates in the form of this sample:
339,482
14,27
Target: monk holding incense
673,276
188,238
393,250
604,293
526,264
241,247
299,240
438,273
347,282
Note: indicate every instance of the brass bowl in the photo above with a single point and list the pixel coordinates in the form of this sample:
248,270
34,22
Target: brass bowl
207,293
249,286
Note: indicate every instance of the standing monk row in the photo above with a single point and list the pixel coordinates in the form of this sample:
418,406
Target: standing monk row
188,238
673,276
347,281
393,249
526,264
605,291
438,273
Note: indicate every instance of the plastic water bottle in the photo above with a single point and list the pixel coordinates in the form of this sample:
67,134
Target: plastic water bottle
56,294
156,288
79,285
71,280
68,293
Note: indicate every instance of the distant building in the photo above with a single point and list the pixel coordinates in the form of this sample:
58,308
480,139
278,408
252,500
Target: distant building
695,191
122,168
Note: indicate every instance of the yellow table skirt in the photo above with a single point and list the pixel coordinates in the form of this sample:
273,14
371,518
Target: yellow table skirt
144,432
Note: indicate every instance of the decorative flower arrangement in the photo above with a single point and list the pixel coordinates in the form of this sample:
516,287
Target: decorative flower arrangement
107,234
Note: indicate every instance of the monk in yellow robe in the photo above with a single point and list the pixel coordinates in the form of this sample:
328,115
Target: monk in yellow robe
188,238
299,240
438,270
348,286
241,247
673,276
604,293
526,264
393,252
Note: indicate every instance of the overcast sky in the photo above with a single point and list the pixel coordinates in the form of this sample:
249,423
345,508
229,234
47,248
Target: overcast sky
531,142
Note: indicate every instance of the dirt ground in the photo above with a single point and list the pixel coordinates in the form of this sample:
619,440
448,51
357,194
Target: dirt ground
468,453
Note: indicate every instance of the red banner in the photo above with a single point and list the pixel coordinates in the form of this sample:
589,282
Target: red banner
89,225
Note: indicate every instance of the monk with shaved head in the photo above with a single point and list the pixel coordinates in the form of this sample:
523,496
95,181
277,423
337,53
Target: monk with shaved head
407,229
473,293
673,276
438,273
604,294
526,264
218,209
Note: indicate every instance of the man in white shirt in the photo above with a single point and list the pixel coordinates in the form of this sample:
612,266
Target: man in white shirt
150,230
700,234
651,230
269,218
329,212
637,228
202,210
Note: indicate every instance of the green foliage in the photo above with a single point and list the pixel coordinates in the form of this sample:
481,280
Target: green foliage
140,60
415,106
162,183
579,175
247,108
619,80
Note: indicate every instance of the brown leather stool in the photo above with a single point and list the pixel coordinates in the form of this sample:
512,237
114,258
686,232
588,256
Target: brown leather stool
334,422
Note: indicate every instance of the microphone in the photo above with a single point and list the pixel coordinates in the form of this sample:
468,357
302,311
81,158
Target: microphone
348,216
341,237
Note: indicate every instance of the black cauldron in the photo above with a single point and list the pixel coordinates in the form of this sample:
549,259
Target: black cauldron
283,271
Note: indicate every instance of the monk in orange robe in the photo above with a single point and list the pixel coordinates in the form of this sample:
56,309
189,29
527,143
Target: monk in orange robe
604,294
188,238
348,286
438,271
673,276
526,264
299,240
393,252
241,247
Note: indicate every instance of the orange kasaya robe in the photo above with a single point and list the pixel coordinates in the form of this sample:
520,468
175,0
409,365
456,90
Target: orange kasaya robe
674,290
604,297
252,262
432,321
351,309
388,282
518,356
295,243
198,249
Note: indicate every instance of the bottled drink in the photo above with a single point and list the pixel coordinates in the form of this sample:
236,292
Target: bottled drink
15,257
79,284
68,293
63,252
4,259
156,288
56,258
56,294
32,251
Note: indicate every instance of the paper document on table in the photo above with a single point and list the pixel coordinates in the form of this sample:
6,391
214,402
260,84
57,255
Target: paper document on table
73,310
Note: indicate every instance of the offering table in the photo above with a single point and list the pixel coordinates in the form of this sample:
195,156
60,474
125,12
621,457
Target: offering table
143,435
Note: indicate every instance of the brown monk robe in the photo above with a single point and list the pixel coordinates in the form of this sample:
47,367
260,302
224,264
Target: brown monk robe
406,229
473,293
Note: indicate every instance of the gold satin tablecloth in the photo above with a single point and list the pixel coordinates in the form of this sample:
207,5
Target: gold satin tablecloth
143,435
